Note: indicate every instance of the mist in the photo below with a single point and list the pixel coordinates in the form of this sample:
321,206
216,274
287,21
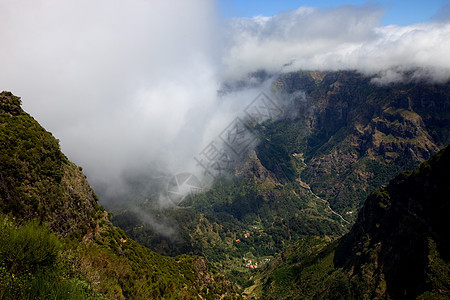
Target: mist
132,88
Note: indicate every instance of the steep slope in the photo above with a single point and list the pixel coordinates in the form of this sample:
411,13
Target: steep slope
89,257
398,248
36,179
401,235
355,134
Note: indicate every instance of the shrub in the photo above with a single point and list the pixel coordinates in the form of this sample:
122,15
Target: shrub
27,247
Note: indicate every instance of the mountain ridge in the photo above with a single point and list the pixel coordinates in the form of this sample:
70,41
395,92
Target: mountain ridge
398,248
48,209
354,125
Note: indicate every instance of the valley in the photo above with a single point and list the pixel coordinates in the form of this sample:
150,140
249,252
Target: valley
292,213
310,173
224,150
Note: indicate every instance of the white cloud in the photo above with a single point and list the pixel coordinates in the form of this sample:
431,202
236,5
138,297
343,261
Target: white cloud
114,80
344,38
130,84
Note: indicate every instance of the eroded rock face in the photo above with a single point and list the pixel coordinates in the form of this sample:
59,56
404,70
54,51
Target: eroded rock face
358,130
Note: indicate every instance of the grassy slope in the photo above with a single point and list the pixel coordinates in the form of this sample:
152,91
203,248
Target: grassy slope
214,224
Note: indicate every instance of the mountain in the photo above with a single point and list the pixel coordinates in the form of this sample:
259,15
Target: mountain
57,242
358,134
398,247
36,180
339,137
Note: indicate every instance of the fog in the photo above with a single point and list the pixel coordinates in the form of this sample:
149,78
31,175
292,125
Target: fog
131,88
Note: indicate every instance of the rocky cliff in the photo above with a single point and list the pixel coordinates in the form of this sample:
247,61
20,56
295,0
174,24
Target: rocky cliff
356,134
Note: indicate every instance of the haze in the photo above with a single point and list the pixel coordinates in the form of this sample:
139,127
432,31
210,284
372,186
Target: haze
132,86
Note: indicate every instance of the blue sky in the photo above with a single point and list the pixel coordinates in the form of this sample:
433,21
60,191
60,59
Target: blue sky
396,12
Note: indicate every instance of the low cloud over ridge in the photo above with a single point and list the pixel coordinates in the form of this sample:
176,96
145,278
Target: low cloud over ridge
347,37
132,85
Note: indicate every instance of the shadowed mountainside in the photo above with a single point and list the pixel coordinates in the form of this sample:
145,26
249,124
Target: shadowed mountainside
398,248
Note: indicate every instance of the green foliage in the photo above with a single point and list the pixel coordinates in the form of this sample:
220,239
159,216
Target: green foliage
36,264
30,265
279,140
65,246
10,104
304,271
34,177
344,139
398,247
214,224
28,247
30,162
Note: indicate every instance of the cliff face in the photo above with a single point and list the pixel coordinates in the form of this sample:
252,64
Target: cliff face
342,137
358,134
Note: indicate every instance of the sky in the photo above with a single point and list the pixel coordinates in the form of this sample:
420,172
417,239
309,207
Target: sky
131,87
399,12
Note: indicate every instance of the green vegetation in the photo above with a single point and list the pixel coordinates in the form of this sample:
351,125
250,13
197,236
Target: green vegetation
355,135
279,141
36,180
243,218
304,271
32,267
398,248
341,140
56,242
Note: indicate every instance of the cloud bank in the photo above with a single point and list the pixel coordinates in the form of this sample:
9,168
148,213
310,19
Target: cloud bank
130,87
347,37
121,83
